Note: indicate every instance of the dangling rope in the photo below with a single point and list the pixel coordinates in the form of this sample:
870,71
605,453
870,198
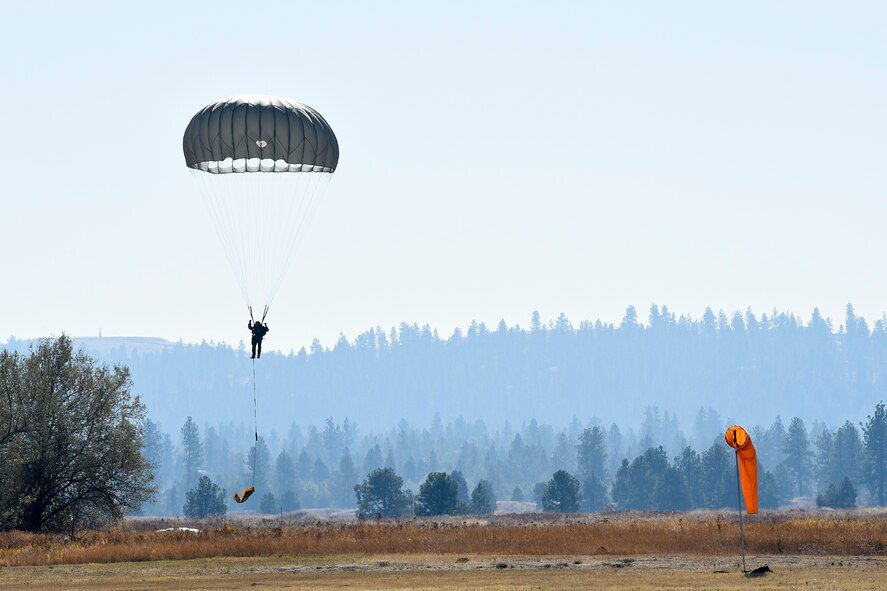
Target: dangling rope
241,498
255,423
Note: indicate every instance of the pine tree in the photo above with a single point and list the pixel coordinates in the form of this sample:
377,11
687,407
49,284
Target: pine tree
390,461
718,471
463,495
689,466
630,319
562,493
591,454
768,491
284,473
319,471
268,504
670,491
204,500
373,459
438,495
594,494
382,493
797,453
644,474
561,458
152,445
483,499
344,480
535,322
619,490
258,462
838,496
771,444
875,456
192,450
304,465
825,459
290,501
848,452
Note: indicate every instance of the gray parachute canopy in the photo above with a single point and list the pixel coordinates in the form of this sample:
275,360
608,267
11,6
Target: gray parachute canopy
259,133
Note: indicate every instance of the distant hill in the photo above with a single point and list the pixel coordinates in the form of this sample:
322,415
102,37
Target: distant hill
103,346
748,369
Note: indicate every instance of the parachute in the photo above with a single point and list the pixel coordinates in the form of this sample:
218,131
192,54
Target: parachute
262,163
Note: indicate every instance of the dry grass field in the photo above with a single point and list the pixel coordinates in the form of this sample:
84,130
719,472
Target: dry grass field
456,573
813,550
698,534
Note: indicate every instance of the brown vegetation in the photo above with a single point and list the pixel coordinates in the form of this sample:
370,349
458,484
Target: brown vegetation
443,572
623,534
642,573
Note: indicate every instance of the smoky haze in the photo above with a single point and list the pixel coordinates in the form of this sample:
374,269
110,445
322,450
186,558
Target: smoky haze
748,368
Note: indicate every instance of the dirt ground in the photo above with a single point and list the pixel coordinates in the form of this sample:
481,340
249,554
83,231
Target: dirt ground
457,573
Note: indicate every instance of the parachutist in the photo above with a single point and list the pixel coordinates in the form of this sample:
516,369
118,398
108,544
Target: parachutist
259,331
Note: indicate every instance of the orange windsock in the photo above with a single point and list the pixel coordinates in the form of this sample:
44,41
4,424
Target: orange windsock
738,438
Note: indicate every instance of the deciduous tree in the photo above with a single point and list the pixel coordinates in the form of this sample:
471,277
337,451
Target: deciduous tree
71,438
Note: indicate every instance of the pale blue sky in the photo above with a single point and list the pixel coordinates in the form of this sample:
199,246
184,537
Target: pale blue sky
497,157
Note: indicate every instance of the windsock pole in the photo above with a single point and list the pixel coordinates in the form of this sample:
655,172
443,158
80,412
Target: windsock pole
739,502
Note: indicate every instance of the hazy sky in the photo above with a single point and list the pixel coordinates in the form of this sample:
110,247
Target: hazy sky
496,158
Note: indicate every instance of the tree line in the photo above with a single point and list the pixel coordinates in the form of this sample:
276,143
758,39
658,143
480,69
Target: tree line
656,469
76,451
747,365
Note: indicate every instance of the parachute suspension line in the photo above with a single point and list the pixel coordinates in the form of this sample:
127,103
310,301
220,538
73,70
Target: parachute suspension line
219,198
305,206
261,219
255,425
